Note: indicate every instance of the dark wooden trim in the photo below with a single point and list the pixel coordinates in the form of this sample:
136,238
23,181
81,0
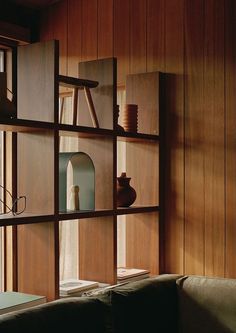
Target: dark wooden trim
5,257
134,137
162,164
14,195
85,214
136,210
14,32
23,219
83,131
72,82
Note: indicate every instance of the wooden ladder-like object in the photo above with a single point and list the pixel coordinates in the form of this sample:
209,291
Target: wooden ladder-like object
76,85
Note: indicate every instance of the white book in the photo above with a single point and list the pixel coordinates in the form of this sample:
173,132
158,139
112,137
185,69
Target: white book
13,301
73,286
124,273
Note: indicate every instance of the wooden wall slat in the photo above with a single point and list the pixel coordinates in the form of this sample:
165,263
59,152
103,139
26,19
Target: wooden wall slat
89,30
174,142
194,136
97,263
105,28
74,36
155,35
196,154
58,17
138,27
140,231
38,259
46,25
230,106
214,138
122,39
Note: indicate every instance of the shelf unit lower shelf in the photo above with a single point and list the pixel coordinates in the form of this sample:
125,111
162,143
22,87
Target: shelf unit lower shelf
30,218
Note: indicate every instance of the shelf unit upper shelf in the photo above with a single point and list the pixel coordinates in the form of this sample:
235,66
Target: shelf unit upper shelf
24,125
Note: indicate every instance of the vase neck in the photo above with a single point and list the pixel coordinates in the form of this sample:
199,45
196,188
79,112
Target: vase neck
123,181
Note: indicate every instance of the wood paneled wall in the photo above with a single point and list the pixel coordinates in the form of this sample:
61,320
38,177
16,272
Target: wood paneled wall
195,42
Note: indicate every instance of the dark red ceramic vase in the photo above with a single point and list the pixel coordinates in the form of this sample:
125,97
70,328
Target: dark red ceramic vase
126,194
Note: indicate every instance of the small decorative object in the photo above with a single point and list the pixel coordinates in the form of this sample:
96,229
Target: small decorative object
74,197
126,194
83,174
130,118
118,127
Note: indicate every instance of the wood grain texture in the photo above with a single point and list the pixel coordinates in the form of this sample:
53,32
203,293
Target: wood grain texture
230,104
143,90
38,259
89,30
142,229
138,28
46,25
74,36
174,139
156,35
144,175
194,188
104,96
59,17
97,250
122,38
36,81
194,137
34,150
214,138
105,28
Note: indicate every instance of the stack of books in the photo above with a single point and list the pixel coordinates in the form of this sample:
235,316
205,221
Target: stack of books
75,287
125,274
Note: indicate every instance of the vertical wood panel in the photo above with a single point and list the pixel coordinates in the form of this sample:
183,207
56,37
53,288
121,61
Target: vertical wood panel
89,30
122,38
105,28
46,25
142,229
138,27
214,138
230,104
155,35
194,136
174,123
38,259
74,36
97,254
148,35
58,17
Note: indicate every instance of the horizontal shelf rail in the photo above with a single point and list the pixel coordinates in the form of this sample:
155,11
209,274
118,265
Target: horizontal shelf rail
72,82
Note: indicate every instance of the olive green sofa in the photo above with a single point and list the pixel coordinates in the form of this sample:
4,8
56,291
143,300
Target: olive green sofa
164,304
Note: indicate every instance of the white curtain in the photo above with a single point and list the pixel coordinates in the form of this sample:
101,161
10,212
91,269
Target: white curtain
69,256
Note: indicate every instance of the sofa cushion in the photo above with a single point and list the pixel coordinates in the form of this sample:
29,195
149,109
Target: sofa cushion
148,305
82,315
207,305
